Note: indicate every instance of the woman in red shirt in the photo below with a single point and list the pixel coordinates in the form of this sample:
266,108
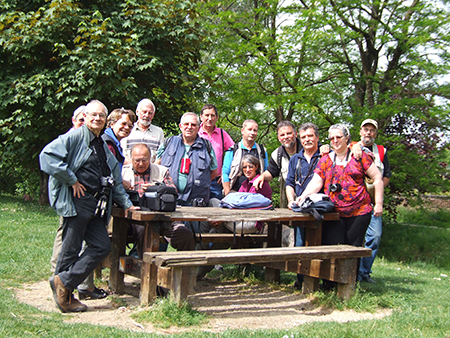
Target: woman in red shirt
342,177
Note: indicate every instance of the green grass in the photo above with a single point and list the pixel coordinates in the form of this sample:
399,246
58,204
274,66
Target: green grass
412,274
166,312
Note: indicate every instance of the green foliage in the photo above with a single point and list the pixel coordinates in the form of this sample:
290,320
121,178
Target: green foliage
58,55
166,312
421,215
412,243
328,62
27,234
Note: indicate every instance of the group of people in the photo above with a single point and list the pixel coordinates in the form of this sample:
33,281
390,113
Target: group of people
89,171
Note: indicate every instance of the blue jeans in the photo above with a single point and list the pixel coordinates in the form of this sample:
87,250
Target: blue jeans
299,240
373,239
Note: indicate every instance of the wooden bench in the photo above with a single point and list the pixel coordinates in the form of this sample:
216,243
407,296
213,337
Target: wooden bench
177,270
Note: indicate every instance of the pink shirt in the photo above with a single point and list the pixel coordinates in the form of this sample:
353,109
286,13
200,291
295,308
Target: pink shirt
216,141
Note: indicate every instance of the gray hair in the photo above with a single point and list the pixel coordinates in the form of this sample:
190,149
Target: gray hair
248,121
343,128
309,125
285,123
99,102
190,113
252,160
146,102
78,111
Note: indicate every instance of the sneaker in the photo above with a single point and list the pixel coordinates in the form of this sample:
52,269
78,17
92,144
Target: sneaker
368,279
218,267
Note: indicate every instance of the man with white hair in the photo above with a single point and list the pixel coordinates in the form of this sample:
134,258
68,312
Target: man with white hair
368,133
84,179
143,131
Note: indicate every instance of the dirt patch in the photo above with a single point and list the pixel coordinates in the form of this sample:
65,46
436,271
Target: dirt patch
229,305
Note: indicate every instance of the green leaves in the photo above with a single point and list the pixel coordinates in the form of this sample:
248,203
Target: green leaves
65,53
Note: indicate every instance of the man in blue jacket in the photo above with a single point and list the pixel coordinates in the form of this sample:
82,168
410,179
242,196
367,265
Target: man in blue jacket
84,179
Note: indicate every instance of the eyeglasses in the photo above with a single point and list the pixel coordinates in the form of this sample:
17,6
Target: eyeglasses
138,160
335,138
249,166
186,124
99,115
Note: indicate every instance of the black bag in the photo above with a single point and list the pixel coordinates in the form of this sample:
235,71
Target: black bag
134,197
160,198
316,205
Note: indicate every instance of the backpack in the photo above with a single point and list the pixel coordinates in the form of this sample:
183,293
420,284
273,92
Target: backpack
245,200
316,205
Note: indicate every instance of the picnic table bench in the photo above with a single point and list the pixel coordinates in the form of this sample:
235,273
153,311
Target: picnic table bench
152,221
177,270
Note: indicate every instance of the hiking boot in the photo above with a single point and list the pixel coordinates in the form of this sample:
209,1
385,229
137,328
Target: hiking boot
60,293
74,305
64,299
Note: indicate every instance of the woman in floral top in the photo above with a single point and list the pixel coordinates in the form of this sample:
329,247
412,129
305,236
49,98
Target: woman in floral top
342,177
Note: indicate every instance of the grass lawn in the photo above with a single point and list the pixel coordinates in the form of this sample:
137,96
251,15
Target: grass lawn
412,271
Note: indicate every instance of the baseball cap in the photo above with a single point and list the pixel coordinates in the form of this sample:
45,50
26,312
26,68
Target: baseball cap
367,121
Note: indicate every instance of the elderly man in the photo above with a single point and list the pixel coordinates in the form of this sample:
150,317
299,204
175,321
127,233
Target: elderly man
220,141
300,173
141,174
232,178
84,179
279,159
144,131
191,161
368,133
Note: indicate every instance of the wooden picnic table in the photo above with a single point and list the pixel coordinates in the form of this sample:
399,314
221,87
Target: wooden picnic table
154,220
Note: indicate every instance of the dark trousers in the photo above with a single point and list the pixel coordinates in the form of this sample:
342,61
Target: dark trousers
71,268
177,235
348,230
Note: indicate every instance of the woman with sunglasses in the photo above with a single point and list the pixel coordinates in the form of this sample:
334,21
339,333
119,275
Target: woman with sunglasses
342,177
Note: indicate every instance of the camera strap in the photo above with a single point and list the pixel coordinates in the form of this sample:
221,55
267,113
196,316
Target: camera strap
298,170
334,165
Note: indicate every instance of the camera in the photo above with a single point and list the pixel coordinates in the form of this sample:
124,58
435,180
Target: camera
335,187
107,183
199,202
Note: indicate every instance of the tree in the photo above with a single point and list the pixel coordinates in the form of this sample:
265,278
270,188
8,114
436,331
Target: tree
331,61
57,55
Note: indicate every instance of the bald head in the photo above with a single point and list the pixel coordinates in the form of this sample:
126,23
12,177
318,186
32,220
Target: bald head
140,157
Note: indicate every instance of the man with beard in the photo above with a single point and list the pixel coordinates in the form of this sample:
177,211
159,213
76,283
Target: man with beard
143,131
300,173
368,133
279,159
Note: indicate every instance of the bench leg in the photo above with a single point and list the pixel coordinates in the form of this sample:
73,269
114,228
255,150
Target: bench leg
274,233
183,282
149,273
118,244
347,268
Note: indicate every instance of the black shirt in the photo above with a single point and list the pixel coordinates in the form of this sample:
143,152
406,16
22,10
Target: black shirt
95,167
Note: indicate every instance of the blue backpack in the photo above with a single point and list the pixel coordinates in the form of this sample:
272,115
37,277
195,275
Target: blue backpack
245,200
